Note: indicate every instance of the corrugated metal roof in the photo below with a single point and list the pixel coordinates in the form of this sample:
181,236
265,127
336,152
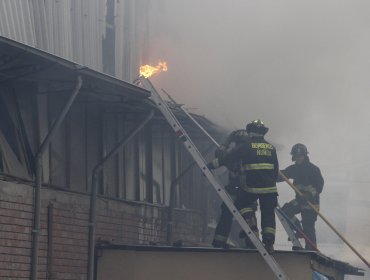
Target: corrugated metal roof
22,62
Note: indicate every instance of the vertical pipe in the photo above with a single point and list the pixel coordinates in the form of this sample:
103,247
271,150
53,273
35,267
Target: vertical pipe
118,165
37,189
148,164
68,165
163,166
50,242
99,167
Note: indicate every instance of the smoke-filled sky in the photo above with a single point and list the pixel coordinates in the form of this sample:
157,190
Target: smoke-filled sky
303,67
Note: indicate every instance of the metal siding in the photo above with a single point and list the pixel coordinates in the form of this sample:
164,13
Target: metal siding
86,33
119,35
140,32
41,33
130,160
77,152
167,174
69,28
75,29
110,142
20,31
49,23
62,11
157,150
10,18
130,18
29,21
142,165
59,18
13,21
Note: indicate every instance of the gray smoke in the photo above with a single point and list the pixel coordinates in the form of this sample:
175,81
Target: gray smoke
302,67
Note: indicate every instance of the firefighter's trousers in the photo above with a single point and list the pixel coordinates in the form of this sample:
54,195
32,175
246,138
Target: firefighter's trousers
224,224
223,227
309,218
268,202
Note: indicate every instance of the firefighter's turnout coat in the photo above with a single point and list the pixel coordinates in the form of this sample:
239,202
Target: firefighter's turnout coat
308,179
258,163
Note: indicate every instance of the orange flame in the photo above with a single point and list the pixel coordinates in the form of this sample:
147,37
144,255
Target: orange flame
147,70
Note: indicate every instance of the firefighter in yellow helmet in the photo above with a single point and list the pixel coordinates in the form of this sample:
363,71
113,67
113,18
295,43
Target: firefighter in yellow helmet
308,179
235,180
260,168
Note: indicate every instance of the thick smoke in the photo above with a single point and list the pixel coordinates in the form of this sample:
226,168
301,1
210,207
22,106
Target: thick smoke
302,67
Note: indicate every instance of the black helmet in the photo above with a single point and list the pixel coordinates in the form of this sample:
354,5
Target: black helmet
298,150
257,126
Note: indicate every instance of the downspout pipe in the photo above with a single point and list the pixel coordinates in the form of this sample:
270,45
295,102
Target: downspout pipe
94,186
38,179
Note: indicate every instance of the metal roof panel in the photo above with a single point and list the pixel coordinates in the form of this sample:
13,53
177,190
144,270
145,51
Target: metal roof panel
22,62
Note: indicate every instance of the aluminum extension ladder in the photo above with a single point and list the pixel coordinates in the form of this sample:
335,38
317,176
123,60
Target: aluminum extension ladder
182,135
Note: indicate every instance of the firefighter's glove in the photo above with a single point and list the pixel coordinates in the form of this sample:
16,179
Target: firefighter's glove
231,189
210,166
219,153
213,164
307,196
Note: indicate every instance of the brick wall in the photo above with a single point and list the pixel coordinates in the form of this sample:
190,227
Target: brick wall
63,250
15,233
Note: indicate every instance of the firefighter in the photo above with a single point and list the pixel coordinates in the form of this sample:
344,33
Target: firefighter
308,179
235,179
260,168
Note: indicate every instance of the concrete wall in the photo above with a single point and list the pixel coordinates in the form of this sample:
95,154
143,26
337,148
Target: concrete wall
184,264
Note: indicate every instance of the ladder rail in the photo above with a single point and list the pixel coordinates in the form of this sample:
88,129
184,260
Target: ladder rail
182,135
288,228
199,126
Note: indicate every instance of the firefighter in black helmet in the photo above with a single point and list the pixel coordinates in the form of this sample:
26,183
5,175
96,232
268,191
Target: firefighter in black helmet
308,179
260,168
235,179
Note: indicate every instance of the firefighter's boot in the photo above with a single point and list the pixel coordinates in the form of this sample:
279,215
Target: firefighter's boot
269,246
251,220
220,242
268,239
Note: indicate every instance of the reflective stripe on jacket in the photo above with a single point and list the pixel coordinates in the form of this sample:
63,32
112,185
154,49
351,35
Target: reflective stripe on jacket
259,164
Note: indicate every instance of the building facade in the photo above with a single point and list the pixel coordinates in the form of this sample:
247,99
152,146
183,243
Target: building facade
135,204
